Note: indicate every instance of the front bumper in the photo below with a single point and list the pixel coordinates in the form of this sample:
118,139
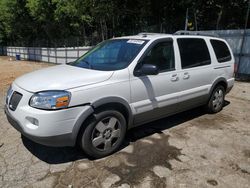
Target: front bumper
51,128
58,140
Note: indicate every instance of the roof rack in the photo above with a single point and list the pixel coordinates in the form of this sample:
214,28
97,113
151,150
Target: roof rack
183,32
146,34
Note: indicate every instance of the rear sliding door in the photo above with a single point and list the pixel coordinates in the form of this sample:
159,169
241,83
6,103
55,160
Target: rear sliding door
196,71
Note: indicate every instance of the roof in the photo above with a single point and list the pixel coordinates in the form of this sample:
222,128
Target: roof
179,34
147,36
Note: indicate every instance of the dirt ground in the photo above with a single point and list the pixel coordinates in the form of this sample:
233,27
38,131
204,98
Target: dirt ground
191,149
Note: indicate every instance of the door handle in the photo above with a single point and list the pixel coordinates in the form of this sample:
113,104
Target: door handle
174,77
186,76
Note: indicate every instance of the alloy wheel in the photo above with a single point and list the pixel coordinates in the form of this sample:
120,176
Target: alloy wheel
106,133
218,99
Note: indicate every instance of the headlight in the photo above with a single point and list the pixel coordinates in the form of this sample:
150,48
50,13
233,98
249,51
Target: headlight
50,100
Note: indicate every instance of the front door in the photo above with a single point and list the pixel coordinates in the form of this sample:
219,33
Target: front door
154,96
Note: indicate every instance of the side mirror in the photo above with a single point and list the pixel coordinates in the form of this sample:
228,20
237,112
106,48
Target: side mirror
147,69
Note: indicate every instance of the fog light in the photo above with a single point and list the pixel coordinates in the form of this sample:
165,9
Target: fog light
32,120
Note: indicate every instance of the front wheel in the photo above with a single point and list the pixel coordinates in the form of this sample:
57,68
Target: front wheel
216,101
104,134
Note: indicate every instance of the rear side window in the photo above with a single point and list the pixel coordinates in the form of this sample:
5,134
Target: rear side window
193,52
221,51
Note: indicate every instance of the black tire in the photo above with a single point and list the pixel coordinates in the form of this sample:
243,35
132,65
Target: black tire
216,101
99,139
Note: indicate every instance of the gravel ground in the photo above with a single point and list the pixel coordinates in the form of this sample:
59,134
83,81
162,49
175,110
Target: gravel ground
191,149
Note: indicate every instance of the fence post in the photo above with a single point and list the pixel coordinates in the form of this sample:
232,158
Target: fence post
48,52
77,48
28,54
35,55
20,52
243,40
34,51
55,54
66,53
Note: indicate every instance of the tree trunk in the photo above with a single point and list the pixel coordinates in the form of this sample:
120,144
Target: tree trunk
113,27
84,34
219,18
102,33
105,30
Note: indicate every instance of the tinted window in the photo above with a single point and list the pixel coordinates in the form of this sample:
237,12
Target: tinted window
221,51
111,55
193,52
162,55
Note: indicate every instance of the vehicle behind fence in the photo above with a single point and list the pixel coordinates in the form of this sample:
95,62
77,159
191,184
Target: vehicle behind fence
239,40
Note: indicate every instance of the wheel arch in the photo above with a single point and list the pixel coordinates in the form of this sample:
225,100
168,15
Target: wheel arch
220,81
116,103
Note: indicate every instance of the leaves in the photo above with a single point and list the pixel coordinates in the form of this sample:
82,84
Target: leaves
24,21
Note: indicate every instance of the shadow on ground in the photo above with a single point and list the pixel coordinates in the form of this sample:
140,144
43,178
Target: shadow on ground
165,123
53,155
57,155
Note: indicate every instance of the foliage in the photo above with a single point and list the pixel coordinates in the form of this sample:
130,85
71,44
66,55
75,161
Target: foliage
24,21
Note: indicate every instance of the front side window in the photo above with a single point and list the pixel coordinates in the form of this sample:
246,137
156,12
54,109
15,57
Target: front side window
161,55
221,51
193,52
111,55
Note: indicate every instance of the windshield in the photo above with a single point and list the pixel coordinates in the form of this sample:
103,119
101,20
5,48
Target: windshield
111,55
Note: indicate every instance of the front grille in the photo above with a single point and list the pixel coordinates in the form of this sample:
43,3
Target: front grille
14,100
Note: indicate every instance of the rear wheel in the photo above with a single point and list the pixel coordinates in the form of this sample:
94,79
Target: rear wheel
216,101
104,134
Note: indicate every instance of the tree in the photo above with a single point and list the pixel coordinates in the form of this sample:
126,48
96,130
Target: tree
90,21
15,21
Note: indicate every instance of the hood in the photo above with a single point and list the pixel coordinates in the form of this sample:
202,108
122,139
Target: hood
61,77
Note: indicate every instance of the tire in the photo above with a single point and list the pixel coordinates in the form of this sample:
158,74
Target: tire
216,101
104,134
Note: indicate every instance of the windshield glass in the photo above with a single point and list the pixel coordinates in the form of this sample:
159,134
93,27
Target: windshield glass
111,55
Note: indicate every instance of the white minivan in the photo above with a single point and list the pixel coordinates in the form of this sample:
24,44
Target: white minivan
119,84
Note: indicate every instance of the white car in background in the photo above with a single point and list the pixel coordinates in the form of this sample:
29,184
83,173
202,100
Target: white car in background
121,83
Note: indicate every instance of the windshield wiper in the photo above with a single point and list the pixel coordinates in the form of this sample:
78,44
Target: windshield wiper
89,65
69,63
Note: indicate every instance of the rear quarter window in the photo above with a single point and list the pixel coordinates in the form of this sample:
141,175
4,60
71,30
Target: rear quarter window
194,52
221,51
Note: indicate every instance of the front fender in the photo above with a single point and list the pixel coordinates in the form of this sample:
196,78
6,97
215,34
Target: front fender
114,99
